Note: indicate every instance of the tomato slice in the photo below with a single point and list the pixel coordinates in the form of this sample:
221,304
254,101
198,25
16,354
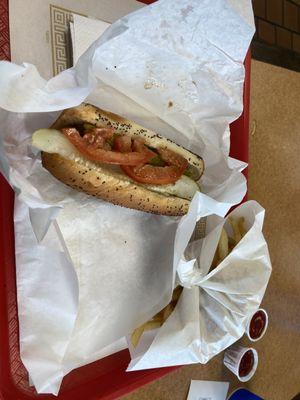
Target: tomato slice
125,144
99,138
174,159
97,141
153,175
95,151
106,133
176,165
131,154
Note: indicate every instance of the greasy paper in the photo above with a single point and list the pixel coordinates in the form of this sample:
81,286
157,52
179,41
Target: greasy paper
175,67
214,307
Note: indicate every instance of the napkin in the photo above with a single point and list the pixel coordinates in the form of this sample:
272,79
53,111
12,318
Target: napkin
204,390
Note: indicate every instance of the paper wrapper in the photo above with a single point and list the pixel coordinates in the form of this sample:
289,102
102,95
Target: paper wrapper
175,67
214,307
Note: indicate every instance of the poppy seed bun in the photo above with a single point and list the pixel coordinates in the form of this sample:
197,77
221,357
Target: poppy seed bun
95,116
109,182
107,186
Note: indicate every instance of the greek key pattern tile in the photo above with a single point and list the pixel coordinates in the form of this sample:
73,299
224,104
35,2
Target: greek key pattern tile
60,19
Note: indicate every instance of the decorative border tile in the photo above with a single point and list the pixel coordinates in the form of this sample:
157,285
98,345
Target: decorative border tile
4,31
60,19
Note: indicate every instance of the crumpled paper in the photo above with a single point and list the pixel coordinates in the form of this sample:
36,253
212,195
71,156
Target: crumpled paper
214,307
175,67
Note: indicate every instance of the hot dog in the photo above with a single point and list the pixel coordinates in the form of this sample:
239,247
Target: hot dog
117,160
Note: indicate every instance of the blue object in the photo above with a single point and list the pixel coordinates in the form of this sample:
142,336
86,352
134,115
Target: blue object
244,394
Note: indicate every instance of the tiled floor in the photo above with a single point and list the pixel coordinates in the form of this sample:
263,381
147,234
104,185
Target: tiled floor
274,181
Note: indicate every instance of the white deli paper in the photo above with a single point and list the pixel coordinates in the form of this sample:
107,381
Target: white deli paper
214,307
84,31
175,67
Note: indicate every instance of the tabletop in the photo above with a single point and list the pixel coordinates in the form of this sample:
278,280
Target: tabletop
274,173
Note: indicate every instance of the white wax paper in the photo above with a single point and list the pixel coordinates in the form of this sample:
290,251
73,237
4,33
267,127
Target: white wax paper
214,307
175,67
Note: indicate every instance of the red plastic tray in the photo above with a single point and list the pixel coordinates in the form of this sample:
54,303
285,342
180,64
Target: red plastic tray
102,380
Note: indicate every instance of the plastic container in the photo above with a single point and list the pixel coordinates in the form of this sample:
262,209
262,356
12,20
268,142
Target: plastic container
257,325
242,361
105,379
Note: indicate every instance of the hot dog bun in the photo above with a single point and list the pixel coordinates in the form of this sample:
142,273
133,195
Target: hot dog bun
108,186
95,116
109,182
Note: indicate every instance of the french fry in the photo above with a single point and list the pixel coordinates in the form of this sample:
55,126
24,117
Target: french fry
223,245
147,326
215,261
152,324
159,316
136,335
236,231
168,311
158,319
177,292
241,222
231,242
226,243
